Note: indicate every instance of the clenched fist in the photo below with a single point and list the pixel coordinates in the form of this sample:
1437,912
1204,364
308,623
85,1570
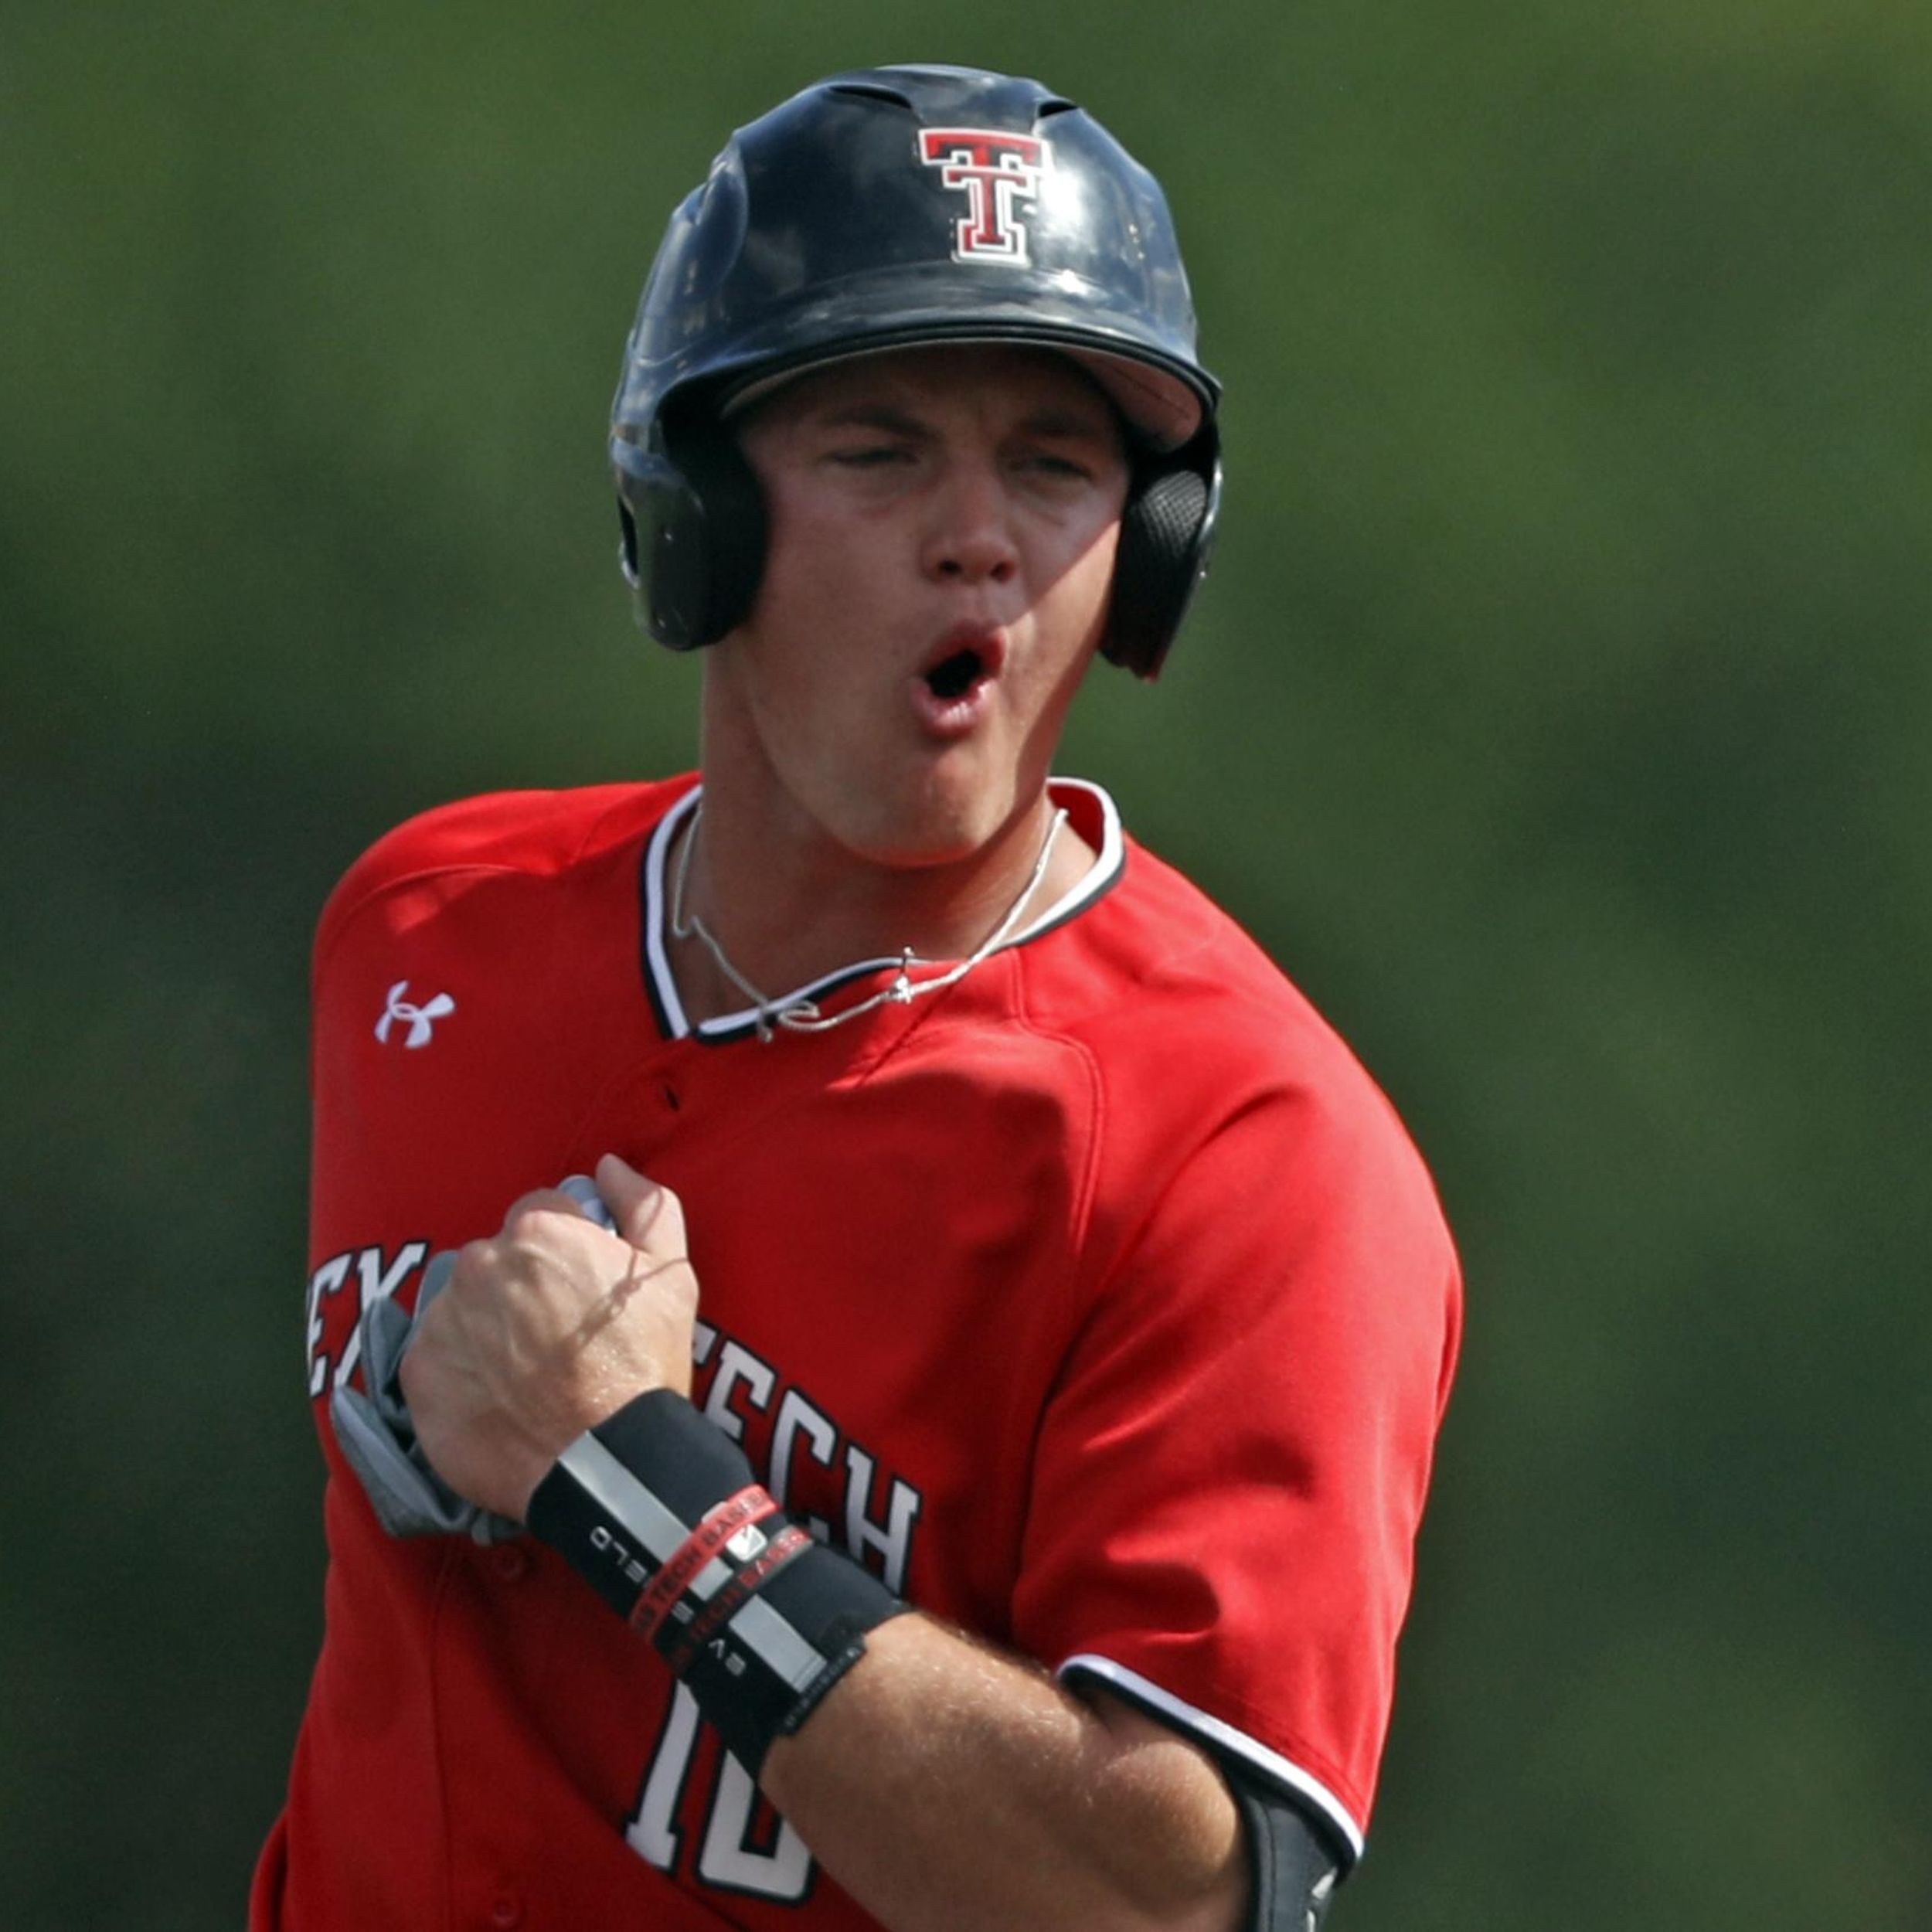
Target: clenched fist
546,1329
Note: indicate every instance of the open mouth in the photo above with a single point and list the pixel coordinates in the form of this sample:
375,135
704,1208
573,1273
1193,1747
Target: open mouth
954,676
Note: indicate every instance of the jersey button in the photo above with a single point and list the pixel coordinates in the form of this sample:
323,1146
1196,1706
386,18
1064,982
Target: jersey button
511,1562
506,1910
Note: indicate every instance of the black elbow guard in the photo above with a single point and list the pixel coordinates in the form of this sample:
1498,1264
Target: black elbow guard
1292,1862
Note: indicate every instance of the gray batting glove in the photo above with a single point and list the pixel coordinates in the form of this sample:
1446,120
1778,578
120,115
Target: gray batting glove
376,1431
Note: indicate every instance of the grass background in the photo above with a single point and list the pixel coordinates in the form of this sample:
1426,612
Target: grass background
1557,713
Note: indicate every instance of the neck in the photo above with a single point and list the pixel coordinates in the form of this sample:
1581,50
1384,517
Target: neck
785,919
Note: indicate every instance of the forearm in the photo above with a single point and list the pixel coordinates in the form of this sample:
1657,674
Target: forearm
948,1788
951,1789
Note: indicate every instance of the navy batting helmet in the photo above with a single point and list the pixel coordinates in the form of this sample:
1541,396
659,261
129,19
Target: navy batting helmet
886,208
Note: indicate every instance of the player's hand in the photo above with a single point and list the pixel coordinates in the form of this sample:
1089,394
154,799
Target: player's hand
546,1329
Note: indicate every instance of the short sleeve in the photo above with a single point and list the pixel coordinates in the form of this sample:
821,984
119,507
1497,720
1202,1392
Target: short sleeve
1230,1473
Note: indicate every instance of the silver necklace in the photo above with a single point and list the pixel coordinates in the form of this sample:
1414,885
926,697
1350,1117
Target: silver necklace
801,1015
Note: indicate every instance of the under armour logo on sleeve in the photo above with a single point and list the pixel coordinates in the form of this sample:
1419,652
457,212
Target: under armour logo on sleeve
422,1019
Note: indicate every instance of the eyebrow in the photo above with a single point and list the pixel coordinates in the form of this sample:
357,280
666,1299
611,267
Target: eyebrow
874,416
1048,421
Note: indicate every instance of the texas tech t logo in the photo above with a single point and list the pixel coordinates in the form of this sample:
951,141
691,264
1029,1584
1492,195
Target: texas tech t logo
995,170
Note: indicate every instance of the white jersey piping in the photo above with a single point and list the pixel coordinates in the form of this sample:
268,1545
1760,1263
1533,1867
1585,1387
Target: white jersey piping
1222,1738
1101,874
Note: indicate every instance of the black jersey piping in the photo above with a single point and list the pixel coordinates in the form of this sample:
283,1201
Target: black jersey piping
654,962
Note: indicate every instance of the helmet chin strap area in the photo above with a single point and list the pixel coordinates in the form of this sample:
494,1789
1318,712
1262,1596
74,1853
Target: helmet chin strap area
796,1015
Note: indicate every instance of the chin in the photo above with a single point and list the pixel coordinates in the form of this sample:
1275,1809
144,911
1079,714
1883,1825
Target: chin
917,850
935,832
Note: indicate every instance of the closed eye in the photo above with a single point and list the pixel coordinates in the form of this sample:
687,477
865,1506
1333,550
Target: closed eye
1058,465
874,456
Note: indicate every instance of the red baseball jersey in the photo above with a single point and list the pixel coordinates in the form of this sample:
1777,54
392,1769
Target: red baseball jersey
1100,1303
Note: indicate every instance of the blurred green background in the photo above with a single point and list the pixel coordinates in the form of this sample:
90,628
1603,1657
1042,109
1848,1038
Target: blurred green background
1558,715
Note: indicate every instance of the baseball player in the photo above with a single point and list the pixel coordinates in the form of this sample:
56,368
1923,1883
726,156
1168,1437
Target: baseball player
878,1364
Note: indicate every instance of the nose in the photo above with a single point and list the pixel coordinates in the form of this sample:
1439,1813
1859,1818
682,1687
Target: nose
970,538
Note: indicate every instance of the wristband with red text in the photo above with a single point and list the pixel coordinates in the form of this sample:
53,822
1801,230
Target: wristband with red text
721,1532
659,1511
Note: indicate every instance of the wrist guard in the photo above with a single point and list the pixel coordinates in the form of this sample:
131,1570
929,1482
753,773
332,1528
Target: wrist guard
659,1513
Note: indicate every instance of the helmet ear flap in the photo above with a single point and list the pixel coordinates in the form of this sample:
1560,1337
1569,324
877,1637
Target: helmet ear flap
693,523
1167,536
